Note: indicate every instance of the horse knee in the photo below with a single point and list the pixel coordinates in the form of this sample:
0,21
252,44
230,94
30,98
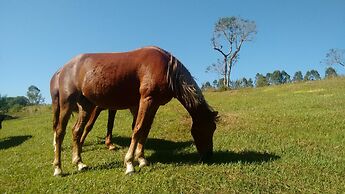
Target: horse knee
77,133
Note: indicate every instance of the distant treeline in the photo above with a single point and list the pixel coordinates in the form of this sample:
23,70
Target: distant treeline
7,103
16,103
275,78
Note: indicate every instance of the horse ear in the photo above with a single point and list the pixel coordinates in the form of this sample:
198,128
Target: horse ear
215,115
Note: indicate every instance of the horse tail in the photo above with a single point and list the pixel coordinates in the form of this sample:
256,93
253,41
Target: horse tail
54,92
183,86
56,113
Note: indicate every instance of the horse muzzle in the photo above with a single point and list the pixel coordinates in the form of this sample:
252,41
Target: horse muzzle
207,156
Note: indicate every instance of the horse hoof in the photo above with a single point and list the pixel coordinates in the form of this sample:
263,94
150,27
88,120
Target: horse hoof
130,173
143,162
130,169
112,147
81,166
57,172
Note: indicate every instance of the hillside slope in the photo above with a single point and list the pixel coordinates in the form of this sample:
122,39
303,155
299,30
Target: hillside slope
287,138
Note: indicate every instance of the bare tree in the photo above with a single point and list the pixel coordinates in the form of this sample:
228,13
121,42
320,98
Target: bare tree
335,56
229,35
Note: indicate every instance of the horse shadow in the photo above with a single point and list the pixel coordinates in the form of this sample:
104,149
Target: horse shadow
170,152
13,141
154,143
219,157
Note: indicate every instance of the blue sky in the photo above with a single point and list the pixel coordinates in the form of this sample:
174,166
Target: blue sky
38,37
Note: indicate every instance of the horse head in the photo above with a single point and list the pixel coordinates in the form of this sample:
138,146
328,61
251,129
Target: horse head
202,131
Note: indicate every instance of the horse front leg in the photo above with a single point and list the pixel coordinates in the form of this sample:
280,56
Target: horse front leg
143,122
139,152
110,126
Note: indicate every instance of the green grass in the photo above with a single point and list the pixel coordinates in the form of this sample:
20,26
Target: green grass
281,139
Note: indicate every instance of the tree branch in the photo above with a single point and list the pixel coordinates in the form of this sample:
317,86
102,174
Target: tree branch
237,50
219,50
226,35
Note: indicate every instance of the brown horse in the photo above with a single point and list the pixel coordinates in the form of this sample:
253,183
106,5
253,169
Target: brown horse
141,80
54,92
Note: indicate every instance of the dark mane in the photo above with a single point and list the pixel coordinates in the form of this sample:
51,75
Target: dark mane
186,89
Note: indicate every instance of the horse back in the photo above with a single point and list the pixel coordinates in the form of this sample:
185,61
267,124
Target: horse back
118,80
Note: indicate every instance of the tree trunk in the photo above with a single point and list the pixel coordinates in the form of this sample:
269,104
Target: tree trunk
225,81
229,71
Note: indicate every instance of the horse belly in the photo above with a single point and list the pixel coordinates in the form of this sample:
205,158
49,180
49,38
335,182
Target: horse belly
109,91
114,99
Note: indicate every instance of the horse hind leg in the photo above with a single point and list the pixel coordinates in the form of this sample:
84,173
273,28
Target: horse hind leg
56,114
59,134
134,111
110,125
94,115
85,109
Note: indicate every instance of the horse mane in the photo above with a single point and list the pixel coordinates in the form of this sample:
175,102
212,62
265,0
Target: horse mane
186,89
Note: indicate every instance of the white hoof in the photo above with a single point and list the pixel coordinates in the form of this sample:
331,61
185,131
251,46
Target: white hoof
57,171
112,147
142,162
129,169
81,166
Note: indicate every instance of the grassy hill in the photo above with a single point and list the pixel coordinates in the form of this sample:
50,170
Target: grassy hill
288,138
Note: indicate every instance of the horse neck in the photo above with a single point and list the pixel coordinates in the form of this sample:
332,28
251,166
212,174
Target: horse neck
186,90
197,111
203,112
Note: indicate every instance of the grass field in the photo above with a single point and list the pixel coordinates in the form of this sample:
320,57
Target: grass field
281,139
